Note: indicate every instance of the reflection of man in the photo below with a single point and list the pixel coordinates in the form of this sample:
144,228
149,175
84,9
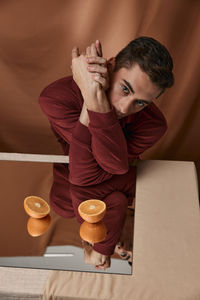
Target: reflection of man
104,118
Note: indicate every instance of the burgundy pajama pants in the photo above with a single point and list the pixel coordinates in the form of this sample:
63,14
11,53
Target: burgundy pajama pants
117,193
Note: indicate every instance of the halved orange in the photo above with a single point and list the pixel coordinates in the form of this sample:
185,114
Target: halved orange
92,210
93,233
36,207
37,227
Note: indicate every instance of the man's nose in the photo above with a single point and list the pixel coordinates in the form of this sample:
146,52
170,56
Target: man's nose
126,106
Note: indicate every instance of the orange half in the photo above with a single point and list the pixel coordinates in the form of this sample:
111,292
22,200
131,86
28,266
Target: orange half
37,227
93,233
36,207
92,210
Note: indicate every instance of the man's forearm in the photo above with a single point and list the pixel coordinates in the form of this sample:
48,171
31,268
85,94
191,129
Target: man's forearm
84,118
97,101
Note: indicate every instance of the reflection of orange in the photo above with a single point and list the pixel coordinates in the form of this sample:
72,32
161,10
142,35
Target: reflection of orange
92,210
36,207
93,233
37,227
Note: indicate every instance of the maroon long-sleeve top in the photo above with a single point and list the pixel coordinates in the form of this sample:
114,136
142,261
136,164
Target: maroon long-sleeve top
99,154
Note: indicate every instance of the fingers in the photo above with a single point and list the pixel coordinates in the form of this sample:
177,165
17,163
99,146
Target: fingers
83,53
93,50
96,64
98,48
75,52
88,51
101,80
96,60
97,69
100,75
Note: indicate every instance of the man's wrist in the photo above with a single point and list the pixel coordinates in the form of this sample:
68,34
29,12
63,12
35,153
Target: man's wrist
84,118
97,102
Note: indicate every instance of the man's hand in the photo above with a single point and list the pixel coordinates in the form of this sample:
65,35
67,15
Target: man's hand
94,62
92,257
80,73
97,65
92,89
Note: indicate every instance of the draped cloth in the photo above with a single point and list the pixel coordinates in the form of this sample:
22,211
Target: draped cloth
36,39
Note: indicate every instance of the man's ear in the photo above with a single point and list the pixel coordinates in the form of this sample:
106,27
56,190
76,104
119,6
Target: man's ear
111,65
111,62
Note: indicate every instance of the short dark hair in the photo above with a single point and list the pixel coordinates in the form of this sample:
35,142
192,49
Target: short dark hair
152,57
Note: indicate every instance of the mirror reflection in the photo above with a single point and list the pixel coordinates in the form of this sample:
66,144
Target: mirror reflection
34,235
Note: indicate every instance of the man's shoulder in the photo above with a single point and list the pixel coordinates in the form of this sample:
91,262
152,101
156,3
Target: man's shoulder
61,88
154,113
152,117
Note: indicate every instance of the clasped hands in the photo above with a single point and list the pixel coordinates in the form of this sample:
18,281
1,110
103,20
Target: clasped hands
90,73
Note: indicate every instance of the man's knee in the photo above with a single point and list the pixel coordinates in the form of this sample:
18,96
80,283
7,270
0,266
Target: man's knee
116,199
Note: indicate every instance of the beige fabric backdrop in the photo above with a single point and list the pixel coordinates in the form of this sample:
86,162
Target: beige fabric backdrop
36,38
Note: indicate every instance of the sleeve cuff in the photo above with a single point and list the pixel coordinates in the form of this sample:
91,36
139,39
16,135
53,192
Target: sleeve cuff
81,133
102,120
105,250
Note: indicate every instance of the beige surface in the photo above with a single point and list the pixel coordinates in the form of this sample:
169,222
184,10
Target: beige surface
18,283
33,157
166,243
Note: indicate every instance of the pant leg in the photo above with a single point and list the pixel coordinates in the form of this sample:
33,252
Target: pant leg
116,205
117,193
60,199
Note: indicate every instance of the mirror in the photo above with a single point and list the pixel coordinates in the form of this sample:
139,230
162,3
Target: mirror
60,246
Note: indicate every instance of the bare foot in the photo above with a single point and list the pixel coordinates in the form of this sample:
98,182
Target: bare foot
92,257
105,265
124,254
124,247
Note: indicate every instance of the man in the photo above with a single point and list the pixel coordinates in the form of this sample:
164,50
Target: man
104,117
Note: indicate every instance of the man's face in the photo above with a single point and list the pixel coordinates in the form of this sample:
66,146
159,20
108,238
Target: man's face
131,90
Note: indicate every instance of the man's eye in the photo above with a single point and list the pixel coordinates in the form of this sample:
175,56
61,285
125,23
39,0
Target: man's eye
140,103
125,90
